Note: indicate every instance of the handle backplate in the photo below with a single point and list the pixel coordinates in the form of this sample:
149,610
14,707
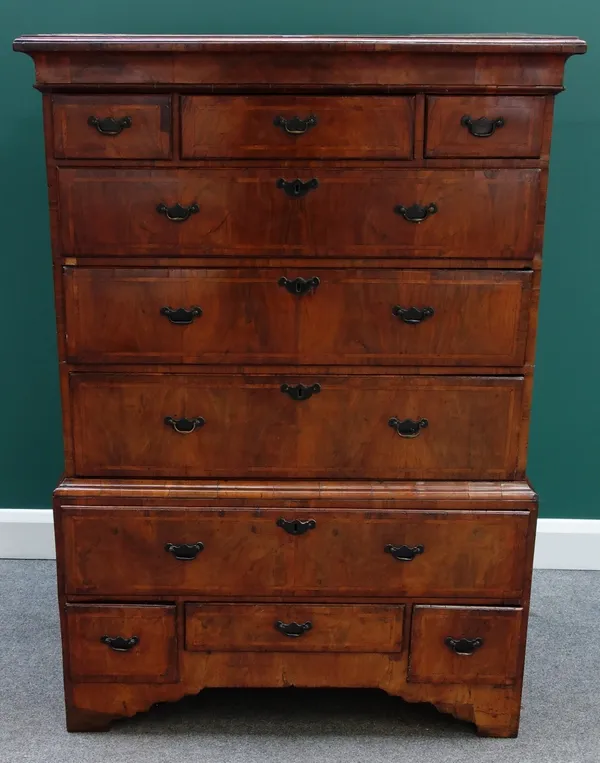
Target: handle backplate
482,127
178,213
181,316
120,643
184,552
404,553
301,391
412,315
183,425
295,125
297,188
296,526
293,630
110,125
416,213
299,286
464,647
408,428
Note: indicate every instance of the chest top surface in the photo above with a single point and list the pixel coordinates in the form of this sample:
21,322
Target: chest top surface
164,43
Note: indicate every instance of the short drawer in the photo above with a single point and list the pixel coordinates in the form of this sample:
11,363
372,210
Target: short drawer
307,316
299,127
302,552
293,628
112,126
477,645
295,425
484,126
132,644
287,212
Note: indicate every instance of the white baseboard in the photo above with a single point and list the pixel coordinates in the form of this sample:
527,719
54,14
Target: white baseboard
26,534
567,544
562,544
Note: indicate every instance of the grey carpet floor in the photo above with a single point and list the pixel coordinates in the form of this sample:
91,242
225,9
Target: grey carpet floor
560,720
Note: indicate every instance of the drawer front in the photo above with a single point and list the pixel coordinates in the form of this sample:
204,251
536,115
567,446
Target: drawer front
484,126
477,645
368,317
299,552
319,127
293,628
112,126
236,211
126,643
388,427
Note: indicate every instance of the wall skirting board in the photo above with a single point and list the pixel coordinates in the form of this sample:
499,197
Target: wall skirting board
26,534
562,544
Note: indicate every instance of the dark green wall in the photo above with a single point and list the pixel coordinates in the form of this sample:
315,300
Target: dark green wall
565,436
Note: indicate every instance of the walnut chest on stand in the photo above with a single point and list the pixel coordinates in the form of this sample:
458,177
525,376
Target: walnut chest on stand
296,288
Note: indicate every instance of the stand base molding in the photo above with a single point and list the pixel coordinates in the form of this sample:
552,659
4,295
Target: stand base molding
493,710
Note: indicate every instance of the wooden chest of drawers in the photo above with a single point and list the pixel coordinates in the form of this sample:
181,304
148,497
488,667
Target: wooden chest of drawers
296,285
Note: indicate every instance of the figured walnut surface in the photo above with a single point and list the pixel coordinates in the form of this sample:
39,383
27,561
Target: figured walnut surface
245,213
493,662
242,127
519,134
195,548
148,136
480,318
245,550
153,658
251,428
348,628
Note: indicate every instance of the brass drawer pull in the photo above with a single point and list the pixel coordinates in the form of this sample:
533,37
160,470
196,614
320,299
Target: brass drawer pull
482,127
295,125
297,188
296,526
293,630
181,316
183,425
416,213
404,553
408,427
177,213
110,125
464,647
184,552
299,286
120,644
412,315
300,391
